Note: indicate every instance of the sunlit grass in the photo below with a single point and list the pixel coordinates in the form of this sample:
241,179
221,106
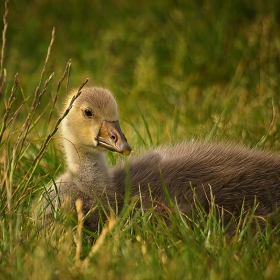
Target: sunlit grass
189,75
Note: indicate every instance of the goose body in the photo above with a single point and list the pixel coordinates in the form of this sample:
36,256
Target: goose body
197,172
191,171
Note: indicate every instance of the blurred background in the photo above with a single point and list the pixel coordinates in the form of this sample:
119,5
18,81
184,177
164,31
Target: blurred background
179,69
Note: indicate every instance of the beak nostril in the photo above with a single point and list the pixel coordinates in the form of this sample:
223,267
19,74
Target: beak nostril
113,137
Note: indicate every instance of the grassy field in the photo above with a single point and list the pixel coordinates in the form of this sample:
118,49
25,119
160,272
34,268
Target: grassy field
180,70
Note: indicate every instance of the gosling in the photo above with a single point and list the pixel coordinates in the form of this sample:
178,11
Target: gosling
88,131
190,173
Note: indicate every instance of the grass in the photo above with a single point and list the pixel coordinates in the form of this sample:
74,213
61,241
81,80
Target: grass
179,71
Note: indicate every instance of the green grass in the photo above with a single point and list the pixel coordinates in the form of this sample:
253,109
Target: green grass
204,70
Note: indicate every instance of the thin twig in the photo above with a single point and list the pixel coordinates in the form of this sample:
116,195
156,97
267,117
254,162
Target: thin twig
10,102
35,104
48,139
68,79
36,100
47,57
2,70
68,65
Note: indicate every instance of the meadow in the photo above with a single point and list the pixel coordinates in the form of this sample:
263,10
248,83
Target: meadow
180,70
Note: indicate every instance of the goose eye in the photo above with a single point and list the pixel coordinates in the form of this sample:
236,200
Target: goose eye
88,113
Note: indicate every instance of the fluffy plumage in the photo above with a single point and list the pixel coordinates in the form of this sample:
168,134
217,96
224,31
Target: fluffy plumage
234,175
90,129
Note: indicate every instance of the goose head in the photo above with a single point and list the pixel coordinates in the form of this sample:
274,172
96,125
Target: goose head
92,124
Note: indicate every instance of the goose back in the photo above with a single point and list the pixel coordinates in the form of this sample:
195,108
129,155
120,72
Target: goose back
235,175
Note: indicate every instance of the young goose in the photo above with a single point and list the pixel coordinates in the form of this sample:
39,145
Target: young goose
191,172
90,128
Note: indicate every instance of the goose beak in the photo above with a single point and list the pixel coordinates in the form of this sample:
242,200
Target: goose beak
111,137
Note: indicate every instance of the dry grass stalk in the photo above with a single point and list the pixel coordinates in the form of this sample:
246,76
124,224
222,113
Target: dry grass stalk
100,241
2,70
78,238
